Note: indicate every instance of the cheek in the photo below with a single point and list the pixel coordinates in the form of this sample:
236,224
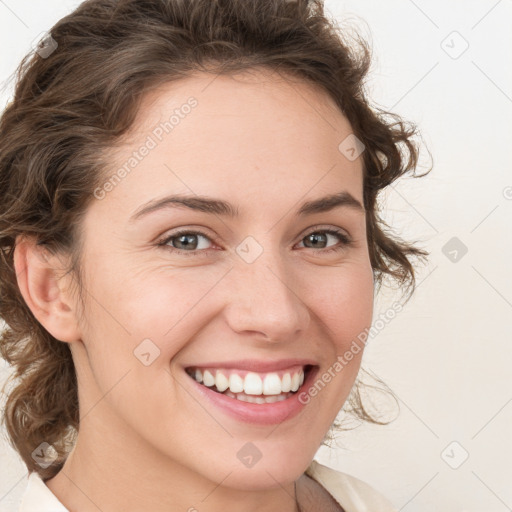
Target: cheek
347,312
343,301
149,305
170,308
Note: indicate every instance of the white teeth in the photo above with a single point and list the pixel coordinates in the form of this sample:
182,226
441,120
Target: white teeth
286,383
258,399
295,382
221,382
208,379
236,383
272,384
253,384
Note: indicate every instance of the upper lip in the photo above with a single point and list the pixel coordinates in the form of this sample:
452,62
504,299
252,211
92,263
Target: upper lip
256,365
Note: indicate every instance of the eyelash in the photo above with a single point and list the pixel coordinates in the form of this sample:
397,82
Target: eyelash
345,241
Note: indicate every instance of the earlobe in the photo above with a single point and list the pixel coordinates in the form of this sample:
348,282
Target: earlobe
37,274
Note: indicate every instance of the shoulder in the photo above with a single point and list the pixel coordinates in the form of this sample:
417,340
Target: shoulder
38,497
353,494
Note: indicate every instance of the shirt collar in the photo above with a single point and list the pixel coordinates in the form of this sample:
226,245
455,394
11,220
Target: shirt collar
38,497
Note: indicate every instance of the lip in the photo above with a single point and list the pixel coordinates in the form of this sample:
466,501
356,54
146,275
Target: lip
260,414
255,365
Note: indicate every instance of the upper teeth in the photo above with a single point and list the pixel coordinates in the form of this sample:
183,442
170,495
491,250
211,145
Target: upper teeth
252,383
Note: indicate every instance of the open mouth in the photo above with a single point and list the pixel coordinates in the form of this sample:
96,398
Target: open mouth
253,387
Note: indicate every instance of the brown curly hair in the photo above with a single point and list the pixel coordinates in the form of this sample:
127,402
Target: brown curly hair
73,103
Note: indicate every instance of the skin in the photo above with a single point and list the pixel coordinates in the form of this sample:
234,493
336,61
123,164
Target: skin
267,146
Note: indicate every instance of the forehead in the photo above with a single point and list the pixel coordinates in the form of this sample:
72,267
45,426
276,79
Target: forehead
250,134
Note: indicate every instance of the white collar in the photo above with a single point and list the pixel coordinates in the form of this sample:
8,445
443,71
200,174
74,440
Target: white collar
39,498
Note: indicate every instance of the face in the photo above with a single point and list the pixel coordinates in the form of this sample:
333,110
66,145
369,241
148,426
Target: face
252,291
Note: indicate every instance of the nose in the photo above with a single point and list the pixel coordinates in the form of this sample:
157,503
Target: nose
264,297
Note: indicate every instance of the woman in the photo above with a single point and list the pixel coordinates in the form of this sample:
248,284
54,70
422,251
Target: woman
190,249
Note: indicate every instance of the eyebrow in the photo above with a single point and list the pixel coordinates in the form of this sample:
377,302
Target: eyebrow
226,209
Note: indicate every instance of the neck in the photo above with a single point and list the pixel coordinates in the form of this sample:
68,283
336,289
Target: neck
111,469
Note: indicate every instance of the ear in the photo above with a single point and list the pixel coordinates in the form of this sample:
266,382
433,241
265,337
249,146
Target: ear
47,295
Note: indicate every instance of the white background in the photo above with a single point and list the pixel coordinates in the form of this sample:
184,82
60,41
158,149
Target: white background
447,355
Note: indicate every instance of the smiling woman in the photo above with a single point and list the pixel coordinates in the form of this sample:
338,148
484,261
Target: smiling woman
185,335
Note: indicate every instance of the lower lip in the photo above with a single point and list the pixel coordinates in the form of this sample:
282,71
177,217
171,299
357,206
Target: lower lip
261,414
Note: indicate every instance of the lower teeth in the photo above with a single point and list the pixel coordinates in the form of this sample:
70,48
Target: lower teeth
267,399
